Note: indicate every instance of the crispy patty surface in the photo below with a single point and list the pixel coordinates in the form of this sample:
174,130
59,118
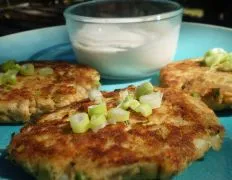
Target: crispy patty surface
156,147
34,95
212,86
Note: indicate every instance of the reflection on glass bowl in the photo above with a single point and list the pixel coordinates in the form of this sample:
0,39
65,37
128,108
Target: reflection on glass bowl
124,39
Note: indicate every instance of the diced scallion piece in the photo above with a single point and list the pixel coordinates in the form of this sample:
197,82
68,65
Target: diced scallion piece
95,95
134,104
97,109
111,121
97,122
46,71
214,60
10,65
226,63
98,83
127,123
154,99
27,69
144,109
79,122
219,59
127,101
226,66
9,77
195,94
80,176
1,78
123,95
143,89
215,51
118,115
214,56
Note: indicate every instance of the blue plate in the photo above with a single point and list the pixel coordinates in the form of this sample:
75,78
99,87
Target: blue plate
53,43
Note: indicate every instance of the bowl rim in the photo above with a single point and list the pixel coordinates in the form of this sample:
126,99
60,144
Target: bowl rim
88,19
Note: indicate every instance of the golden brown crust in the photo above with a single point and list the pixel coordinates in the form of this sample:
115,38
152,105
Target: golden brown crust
214,87
35,95
177,133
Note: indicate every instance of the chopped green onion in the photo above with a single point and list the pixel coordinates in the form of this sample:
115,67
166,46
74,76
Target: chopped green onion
98,83
215,51
46,71
134,104
9,77
214,60
143,89
118,115
97,109
79,122
214,56
226,66
10,65
1,78
127,123
144,109
80,176
226,63
27,69
154,99
218,59
127,101
95,95
123,95
195,94
111,121
97,122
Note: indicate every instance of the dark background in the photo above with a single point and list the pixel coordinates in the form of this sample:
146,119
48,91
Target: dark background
21,15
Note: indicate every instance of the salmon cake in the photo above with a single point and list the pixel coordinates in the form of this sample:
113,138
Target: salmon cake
41,87
157,145
213,86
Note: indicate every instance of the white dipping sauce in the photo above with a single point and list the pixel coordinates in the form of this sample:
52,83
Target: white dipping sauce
123,51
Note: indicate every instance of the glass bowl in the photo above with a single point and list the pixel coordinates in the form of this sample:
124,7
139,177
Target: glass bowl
124,39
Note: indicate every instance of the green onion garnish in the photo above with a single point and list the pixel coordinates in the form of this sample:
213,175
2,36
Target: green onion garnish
97,109
27,69
195,94
46,71
123,95
144,109
134,104
9,77
1,78
127,123
97,122
10,65
127,101
215,51
79,122
80,176
143,89
154,99
218,59
95,95
118,115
